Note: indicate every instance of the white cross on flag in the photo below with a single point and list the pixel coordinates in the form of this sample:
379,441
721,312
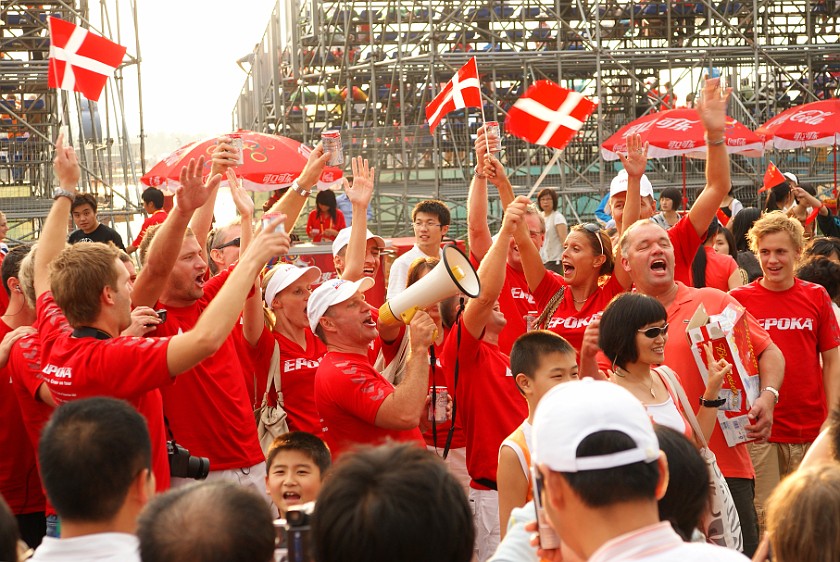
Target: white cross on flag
81,61
464,90
548,114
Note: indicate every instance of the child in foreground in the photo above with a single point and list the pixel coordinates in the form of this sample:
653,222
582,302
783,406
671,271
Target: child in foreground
295,468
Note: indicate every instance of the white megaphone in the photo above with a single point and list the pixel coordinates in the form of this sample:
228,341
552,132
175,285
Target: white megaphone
454,274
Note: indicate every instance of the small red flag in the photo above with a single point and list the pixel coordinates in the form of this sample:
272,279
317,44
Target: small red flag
81,61
721,217
814,212
772,177
463,90
549,115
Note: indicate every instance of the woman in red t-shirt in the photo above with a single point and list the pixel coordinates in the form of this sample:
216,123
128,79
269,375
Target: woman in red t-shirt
325,220
286,294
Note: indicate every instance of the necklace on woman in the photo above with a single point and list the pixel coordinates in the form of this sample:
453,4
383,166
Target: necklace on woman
617,370
574,300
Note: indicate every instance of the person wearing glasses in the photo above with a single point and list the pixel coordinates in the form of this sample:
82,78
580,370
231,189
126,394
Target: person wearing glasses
632,334
223,246
430,220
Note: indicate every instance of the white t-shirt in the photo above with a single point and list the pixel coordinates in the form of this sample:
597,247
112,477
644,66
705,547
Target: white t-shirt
399,270
552,247
99,547
659,543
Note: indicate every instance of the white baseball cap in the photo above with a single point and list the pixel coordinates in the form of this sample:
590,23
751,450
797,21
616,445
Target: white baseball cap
343,238
619,184
792,177
332,292
571,412
284,275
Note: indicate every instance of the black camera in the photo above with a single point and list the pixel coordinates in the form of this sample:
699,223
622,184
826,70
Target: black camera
298,519
183,465
162,315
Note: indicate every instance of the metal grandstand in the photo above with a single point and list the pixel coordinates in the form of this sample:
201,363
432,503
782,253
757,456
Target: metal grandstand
31,114
369,67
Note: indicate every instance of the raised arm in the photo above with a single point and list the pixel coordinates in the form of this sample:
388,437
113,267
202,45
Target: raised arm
532,265
359,194
54,232
635,164
403,408
717,369
712,111
224,158
491,273
166,244
293,200
252,315
478,231
218,319
831,377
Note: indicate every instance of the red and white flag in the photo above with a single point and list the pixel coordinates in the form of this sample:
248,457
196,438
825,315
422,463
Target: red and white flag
464,90
549,115
81,61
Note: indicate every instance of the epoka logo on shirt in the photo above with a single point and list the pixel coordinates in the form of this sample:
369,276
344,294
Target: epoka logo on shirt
570,323
787,323
59,372
518,293
299,363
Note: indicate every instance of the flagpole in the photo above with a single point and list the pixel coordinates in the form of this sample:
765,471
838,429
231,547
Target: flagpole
544,172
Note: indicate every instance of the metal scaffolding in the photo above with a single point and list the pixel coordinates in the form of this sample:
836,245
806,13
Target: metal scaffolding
369,67
31,114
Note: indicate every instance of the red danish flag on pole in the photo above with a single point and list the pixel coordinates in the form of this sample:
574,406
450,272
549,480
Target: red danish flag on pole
464,90
81,61
549,115
772,177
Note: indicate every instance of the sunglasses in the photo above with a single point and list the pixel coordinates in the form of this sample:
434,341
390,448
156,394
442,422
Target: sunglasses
654,333
234,242
596,230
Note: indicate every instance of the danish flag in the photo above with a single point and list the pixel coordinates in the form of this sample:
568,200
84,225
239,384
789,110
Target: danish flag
772,177
81,61
548,114
464,90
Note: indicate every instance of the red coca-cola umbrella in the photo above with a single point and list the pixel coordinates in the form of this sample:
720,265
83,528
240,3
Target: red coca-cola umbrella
270,162
812,124
679,132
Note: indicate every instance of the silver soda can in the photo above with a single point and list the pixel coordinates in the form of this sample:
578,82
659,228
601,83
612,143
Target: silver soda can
332,144
268,218
236,141
440,400
491,128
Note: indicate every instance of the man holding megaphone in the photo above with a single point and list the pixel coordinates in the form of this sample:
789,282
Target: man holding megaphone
356,403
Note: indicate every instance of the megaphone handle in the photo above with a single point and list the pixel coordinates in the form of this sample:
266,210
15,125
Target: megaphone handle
408,314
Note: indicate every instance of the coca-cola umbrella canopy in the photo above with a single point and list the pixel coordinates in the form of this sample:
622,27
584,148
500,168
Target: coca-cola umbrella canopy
680,132
270,162
813,124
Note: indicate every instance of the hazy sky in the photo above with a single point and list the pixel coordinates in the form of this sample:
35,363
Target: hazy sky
189,49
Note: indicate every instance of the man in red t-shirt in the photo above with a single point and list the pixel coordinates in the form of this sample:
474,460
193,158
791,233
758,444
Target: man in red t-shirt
358,405
799,317
647,254
80,319
153,205
488,404
515,299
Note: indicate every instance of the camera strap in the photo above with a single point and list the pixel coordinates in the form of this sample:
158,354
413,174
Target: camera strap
455,376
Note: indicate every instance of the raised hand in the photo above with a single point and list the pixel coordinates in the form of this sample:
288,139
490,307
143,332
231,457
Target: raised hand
636,160
718,369
314,167
360,193
422,333
712,106
143,320
268,243
193,192
244,203
515,214
66,165
225,156
9,340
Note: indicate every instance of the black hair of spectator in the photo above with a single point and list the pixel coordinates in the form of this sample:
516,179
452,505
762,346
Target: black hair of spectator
741,224
620,321
90,452
821,271
688,493
393,502
551,193
207,522
9,534
433,207
674,194
530,348
84,199
327,198
775,196
306,443
11,265
826,246
609,486
154,196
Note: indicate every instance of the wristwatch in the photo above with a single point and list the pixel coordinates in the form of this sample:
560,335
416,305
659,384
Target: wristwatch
716,403
59,192
772,391
299,190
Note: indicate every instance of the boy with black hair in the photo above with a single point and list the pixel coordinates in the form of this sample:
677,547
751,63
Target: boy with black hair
295,467
152,199
430,220
89,229
539,360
